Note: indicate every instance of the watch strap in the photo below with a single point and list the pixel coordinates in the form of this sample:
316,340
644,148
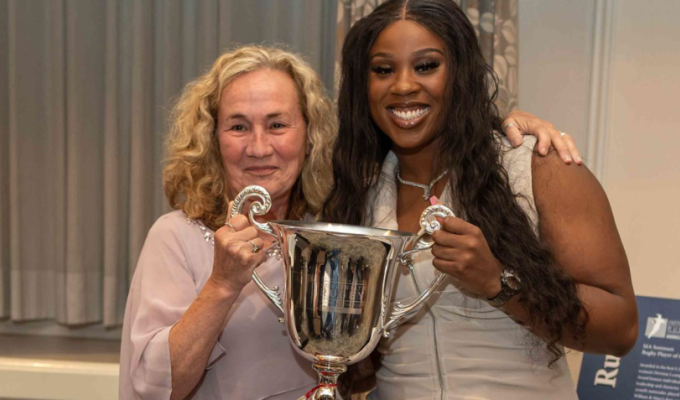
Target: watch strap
504,295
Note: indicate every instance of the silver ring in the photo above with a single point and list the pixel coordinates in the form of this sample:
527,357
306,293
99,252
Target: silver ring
256,248
230,225
562,134
508,125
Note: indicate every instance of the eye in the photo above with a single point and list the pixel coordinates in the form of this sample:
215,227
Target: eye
426,66
278,125
382,70
237,128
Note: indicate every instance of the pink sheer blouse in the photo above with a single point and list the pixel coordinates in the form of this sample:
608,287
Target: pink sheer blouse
252,359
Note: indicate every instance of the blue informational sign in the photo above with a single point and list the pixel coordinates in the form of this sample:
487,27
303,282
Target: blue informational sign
651,371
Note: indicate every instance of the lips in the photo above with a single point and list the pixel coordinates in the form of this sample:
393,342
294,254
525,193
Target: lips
263,170
408,116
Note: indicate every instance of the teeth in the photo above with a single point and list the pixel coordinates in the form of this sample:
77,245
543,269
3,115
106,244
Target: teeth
409,115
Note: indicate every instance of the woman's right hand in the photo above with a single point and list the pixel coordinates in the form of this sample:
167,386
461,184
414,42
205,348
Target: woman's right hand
236,254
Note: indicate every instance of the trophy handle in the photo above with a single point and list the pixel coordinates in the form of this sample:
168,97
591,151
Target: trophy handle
260,207
428,224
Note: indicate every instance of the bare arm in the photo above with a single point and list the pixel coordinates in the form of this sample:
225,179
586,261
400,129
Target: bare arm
577,223
193,337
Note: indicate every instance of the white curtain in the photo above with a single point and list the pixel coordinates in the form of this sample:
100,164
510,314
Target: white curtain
85,87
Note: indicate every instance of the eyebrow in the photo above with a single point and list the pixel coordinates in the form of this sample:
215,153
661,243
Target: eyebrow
242,116
417,53
235,116
274,115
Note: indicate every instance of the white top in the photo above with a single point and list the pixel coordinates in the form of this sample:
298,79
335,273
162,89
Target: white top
458,347
253,358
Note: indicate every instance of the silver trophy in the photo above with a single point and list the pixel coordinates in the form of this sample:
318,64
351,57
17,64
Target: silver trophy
338,284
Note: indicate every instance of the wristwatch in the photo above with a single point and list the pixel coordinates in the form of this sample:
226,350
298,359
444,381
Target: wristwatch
510,286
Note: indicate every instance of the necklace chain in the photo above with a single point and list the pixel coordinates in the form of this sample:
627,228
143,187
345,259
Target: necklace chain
426,188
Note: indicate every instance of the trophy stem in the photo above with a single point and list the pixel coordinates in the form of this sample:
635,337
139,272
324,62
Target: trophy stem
327,389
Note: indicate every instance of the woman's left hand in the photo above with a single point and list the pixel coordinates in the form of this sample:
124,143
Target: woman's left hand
519,123
461,251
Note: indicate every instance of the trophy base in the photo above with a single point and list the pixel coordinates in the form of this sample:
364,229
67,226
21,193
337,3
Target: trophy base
327,389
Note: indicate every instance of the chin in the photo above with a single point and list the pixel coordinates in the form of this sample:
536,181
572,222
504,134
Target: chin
412,146
422,142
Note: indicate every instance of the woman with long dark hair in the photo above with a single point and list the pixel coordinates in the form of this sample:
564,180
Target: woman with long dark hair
534,259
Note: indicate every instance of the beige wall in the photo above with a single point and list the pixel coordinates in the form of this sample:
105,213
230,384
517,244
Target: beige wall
608,72
554,60
642,171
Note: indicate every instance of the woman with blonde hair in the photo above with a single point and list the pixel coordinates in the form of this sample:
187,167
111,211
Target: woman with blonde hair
193,326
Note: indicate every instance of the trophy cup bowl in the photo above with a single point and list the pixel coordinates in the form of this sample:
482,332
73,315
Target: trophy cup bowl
338,282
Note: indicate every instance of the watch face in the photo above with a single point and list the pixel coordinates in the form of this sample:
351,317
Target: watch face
511,279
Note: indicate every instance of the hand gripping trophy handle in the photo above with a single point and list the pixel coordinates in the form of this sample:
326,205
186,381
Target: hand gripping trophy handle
428,224
260,207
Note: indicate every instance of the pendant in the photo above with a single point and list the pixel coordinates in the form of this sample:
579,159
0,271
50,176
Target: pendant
427,194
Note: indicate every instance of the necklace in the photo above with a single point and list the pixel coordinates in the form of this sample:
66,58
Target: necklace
426,188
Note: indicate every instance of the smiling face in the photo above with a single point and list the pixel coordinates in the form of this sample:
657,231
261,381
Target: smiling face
261,132
407,84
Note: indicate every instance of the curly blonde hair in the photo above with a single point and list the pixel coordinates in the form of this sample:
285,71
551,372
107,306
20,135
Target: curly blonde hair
194,178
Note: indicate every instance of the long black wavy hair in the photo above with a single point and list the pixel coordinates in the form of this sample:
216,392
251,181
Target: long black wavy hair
467,147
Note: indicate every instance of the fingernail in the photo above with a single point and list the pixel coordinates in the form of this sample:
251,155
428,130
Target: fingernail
434,201
568,159
544,150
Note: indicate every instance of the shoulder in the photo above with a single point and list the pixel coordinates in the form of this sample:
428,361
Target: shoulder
170,220
517,161
509,154
174,230
172,224
564,186
174,240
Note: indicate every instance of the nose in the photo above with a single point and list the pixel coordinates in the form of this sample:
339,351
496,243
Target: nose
259,145
405,83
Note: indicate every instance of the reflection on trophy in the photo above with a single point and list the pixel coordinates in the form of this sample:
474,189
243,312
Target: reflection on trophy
338,284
